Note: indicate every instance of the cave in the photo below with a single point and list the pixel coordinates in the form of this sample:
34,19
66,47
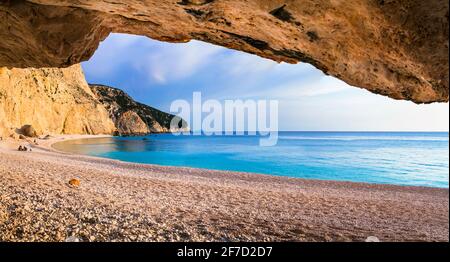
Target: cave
393,48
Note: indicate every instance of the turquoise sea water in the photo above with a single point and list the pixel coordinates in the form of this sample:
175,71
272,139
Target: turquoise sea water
419,159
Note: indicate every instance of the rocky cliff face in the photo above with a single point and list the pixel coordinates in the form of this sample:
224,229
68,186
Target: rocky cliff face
394,48
59,101
131,117
56,101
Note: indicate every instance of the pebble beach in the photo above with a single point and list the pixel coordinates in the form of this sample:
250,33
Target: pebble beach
120,201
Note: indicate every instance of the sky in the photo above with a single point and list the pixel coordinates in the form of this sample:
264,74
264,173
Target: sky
157,73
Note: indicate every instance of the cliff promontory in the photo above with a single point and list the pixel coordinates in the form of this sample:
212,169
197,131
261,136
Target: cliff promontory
129,116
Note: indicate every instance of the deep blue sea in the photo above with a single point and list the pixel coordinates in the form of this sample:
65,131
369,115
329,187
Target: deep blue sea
402,158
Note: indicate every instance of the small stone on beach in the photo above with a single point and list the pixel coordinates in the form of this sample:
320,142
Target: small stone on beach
72,239
372,239
74,182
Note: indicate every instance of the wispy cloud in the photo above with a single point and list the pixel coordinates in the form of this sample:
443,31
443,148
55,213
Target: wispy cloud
297,88
177,62
324,86
161,62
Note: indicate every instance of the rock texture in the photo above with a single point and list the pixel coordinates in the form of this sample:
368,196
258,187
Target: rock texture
56,101
28,130
394,48
59,101
131,117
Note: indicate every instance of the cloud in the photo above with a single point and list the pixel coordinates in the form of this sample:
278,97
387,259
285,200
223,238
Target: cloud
238,64
178,61
325,86
160,62
110,55
300,88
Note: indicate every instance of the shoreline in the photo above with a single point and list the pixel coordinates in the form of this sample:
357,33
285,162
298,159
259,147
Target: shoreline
162,203
62,138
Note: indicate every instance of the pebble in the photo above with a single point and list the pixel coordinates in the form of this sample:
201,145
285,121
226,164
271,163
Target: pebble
158,209
74,182
72,239
372,239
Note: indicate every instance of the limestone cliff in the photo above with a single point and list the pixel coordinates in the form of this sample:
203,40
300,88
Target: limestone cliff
59,101
53,101
131,117
394,48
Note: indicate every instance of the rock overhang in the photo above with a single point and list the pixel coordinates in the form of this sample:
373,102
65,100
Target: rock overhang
393,48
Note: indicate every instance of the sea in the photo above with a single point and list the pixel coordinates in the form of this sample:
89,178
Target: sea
399,158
